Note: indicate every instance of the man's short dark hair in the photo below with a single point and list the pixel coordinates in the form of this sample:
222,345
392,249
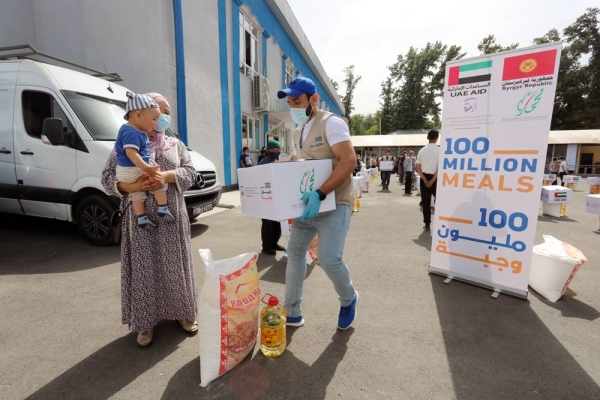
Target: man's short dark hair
433,134
554,159
244,149
561,158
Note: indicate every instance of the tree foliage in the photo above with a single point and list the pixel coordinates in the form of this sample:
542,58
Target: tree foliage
411,94
350,81
489,46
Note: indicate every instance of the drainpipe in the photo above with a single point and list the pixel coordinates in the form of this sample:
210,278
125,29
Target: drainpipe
180,71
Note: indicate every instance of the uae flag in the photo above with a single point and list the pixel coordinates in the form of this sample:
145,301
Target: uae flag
560,194
470,73
529,65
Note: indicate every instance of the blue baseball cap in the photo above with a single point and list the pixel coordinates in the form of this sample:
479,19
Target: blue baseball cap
297,87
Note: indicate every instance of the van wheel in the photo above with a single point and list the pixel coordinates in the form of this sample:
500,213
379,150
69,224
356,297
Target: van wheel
93,220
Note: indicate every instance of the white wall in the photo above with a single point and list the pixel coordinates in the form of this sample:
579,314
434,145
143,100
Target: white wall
203,85
274,60
17,23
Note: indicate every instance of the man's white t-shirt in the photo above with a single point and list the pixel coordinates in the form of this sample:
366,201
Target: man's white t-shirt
336,130
429,157
563,167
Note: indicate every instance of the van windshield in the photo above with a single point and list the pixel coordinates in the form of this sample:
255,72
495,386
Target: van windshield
101,116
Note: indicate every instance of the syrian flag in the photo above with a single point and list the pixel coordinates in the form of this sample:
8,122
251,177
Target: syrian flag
470,73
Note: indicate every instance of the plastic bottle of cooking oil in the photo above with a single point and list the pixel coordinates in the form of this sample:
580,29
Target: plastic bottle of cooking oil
356,205
563,210
272,328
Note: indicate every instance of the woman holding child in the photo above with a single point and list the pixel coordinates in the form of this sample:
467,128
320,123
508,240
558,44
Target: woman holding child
157,274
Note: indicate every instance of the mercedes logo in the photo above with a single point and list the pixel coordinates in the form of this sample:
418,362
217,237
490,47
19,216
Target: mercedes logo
200,180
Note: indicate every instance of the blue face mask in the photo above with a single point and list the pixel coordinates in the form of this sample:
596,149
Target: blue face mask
301,115
163,122
274,155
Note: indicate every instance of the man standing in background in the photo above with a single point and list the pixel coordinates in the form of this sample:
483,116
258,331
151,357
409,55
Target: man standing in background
408,170
387,173
427,168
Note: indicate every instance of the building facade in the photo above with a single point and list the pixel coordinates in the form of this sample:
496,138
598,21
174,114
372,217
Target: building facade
220,62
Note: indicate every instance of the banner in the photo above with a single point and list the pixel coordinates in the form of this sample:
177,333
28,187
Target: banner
495,128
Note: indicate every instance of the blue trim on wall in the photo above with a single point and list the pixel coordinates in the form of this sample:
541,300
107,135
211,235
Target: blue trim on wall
180,71
269,22
237,101
265,36
224,72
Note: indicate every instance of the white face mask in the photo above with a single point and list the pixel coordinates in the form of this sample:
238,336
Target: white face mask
299,115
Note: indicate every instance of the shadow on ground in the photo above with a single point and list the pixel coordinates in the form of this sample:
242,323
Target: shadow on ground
32,245
569,306
275,269
116,365
284,377
501,349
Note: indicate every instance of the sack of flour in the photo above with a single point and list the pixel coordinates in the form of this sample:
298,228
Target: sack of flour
227,313
553,266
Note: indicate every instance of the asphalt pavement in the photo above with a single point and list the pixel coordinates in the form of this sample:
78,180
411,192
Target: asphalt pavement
414,338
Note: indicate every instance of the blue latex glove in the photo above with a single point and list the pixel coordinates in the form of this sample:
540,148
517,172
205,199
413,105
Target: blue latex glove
312,201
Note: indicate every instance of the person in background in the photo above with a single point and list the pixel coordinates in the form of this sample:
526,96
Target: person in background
408,170
553,169
385,175
270,231
263,154
400,167
562,170
427,168
245,160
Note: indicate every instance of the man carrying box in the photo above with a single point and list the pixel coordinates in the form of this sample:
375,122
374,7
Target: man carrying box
320,135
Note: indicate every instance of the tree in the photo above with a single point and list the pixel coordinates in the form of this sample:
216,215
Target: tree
577,103
489,46
350,81
418,77
387,106
583,37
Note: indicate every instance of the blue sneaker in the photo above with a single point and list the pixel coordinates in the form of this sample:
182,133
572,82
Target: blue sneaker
294,321
348,314
144,222
164,212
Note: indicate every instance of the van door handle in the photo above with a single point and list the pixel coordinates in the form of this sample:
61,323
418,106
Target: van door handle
27,153
4,151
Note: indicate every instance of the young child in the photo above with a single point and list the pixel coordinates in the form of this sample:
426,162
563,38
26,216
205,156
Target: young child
134,157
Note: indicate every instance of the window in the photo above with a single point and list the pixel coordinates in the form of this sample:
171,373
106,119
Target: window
38,106
248,47
289,73
284,139
250,132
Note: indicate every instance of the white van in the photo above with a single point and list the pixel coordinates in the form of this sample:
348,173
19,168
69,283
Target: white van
57,175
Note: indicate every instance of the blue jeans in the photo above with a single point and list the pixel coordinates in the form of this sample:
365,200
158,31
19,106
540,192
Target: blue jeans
332,228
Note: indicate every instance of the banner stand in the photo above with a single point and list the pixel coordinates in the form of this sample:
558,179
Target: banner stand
483,284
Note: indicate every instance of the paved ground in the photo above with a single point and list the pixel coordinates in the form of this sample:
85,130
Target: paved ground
415,337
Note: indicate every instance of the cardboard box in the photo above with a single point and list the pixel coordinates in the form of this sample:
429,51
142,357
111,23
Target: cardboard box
274,191
548,179
594,182
572,179
592,204
555,194
386,165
